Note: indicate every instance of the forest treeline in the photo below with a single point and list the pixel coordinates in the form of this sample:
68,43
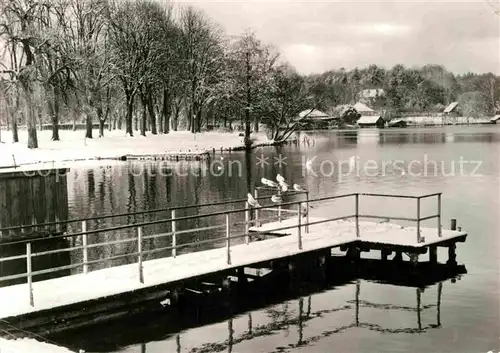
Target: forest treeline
152,67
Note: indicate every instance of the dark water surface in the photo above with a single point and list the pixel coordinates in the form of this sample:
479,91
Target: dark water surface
461,162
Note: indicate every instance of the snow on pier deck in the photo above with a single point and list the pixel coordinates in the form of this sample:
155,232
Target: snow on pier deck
82,288
370,232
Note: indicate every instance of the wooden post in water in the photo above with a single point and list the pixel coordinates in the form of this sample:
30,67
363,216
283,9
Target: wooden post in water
139,250
357,215
256,195
174,237
247,222
440,232
279,205
228,239
433,254
418,220
419,315
300,226
307,212
29,271
453,225
85,247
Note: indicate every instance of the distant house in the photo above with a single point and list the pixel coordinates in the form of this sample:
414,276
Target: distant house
495,119
371,93
316,119
371,121
397,123
451,108
363,109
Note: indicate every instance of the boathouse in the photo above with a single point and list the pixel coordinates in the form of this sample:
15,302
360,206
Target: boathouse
316,119
32,196
364,110
397,123
371,121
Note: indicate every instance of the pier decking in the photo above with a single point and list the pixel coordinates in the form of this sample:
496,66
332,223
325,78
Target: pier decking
93,292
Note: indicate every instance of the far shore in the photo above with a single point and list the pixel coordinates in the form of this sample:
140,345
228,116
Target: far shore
73,146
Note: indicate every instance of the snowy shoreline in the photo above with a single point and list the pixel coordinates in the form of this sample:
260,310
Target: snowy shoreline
116,145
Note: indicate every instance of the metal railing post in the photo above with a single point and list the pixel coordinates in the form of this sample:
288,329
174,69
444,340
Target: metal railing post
279,205
228,239
85,247
357,214
256,195
247,222
299,226
418,220
307,213
174,237
139,250
29,271
440,233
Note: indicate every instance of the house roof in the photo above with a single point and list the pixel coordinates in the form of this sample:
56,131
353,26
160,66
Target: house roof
361,107
451,107
369,119
372,93
395,121
314,114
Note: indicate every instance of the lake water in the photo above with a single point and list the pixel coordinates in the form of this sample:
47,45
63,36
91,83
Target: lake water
461,162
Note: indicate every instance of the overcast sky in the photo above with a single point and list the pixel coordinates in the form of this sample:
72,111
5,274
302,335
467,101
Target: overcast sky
316,36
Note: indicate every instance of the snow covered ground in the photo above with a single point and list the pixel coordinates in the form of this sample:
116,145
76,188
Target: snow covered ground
73,145
115,280
26,345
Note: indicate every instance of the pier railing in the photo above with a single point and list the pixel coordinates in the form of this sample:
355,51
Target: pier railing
230,233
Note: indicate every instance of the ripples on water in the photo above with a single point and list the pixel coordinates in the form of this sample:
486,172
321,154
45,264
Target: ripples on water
428,160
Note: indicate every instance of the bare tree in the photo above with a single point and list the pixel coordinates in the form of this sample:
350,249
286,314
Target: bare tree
133,37
250,64
203,54
20,30
286,96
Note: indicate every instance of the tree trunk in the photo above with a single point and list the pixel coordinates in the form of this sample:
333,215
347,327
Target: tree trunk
15,133
198,119
102,119
256,125
13,119
152,116
160,120
143,121
246,139
101,127
128,118
166,111
190,119
88,125
30,115
55,115
74,115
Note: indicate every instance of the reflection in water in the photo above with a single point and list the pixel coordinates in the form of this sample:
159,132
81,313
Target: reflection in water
282,317
141,187
268,315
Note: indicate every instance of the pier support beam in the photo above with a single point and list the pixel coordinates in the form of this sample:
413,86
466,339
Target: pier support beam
433,254
353,253
452,256
398,257
384,254
242,278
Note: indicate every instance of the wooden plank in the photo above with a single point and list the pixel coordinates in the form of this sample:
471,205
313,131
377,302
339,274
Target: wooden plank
38,199
3,207
12,204
48,203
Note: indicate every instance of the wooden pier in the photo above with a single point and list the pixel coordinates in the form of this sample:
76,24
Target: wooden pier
300,241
